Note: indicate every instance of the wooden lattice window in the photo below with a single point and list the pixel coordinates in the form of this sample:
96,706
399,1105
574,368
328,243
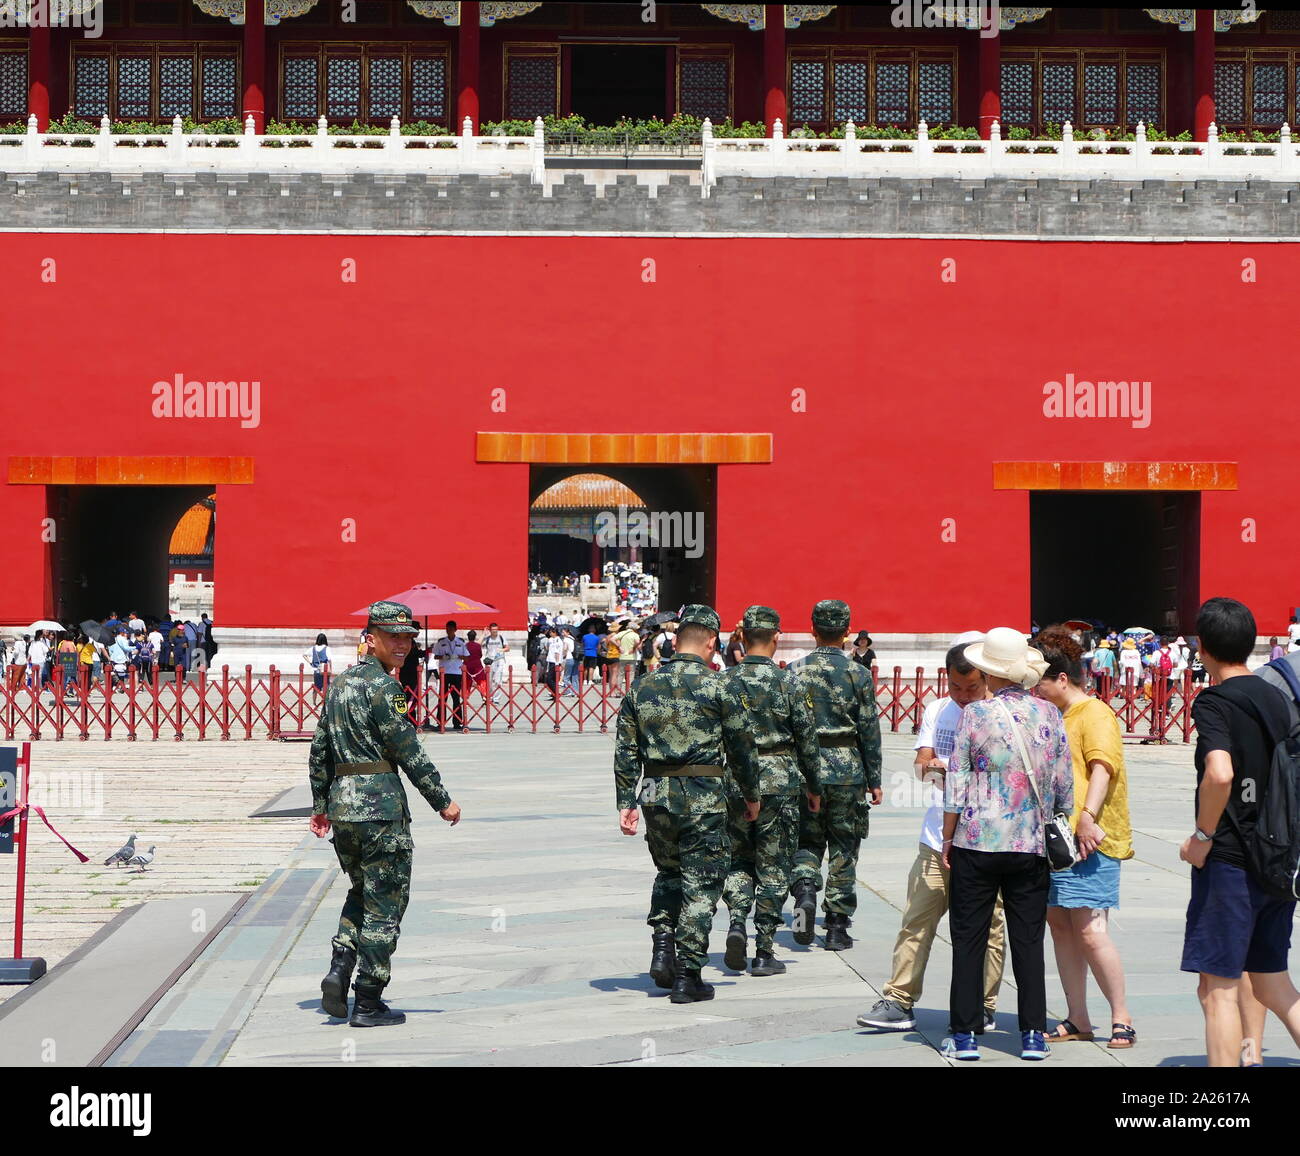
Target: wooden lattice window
1256,89
13,82
1089,88
704,84
155,82
532,82
366,83
886,86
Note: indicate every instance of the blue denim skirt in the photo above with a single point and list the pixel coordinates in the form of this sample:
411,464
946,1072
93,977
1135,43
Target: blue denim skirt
1092,883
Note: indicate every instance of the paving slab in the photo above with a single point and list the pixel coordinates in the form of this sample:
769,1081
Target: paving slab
525,944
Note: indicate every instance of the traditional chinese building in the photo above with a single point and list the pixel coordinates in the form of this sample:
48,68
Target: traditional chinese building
819,65
955,400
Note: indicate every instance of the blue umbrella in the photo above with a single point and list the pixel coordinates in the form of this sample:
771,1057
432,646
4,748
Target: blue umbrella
1138,630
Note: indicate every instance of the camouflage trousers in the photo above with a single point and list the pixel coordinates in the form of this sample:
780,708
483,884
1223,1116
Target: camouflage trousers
691,855
762,855
839,827
376,856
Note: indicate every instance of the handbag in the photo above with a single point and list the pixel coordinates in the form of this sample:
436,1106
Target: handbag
1062,850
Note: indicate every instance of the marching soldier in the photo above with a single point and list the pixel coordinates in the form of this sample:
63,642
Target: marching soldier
780,719
848,733
679,729
363,738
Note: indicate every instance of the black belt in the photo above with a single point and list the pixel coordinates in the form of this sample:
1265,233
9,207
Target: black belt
781,749
837,740
653,769
382,767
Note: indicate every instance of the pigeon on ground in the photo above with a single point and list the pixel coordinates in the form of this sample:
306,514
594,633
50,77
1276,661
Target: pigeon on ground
122,854
142,860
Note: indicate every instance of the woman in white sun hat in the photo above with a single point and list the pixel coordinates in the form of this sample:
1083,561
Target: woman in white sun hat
1009,771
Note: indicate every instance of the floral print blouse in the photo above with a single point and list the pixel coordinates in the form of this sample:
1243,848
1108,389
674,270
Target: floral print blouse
987,786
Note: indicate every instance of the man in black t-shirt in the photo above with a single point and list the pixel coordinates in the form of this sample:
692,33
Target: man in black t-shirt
1235,928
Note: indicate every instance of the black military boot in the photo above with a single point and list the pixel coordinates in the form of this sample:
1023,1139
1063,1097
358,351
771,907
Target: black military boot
765,963
737,946
334,987
688,987
805,911
837,932
663,962
369,1011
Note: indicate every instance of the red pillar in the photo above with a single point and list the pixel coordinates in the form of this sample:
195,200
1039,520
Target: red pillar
38,74
467,70
254,64
990,82
1203,74
774,106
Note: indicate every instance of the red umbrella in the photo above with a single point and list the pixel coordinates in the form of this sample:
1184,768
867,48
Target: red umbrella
427,600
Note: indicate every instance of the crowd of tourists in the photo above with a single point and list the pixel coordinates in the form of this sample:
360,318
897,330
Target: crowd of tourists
1029,824
107,650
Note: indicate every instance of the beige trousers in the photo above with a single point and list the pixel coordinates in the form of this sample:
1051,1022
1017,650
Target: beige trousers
927,901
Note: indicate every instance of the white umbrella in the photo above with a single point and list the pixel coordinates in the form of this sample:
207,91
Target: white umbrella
46,624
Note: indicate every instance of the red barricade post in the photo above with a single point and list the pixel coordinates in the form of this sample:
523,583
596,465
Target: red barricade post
225,701
15,802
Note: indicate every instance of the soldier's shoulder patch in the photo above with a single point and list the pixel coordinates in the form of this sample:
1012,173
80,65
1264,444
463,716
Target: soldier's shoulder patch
744,701
808,698
399,703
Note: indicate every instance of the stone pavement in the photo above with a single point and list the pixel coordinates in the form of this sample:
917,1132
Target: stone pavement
525,943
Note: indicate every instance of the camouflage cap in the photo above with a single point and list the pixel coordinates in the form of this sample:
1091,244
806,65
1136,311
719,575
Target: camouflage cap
395,617
830,615
697,614
760,618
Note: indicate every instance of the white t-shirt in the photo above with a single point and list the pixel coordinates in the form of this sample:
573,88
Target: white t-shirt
1293,635
449,652
20,653
555,649
494,648
36,653
938,729
155,640
568,646
136,625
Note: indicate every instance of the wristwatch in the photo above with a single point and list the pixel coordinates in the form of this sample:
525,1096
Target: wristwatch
1202,837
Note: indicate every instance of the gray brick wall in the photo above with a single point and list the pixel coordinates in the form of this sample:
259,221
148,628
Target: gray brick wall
310,202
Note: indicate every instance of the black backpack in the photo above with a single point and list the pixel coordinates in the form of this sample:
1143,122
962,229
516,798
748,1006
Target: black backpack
666,647
1273,851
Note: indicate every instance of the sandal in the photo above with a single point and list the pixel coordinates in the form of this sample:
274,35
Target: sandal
1071,1032
1121,1036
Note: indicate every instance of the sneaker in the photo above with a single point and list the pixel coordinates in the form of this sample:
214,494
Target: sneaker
961,1046
1033,1046
990,1021
888,1016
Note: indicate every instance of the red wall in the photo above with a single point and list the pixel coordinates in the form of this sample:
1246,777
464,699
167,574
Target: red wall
372,393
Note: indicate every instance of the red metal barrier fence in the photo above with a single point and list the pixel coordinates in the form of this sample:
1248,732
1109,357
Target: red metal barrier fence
280,704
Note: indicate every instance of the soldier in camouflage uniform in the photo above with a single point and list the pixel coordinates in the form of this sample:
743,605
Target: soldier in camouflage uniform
780,719
681,727
362,740
848,732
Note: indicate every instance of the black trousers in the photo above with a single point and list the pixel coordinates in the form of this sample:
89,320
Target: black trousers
977,877
452,683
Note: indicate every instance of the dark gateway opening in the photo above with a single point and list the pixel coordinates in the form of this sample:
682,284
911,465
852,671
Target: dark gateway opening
111,548
613,81
1126,559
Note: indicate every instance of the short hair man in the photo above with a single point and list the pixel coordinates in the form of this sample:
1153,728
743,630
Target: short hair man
927,883
780,719
495,649
680,730
848,734
1238,934
451,652
363,739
